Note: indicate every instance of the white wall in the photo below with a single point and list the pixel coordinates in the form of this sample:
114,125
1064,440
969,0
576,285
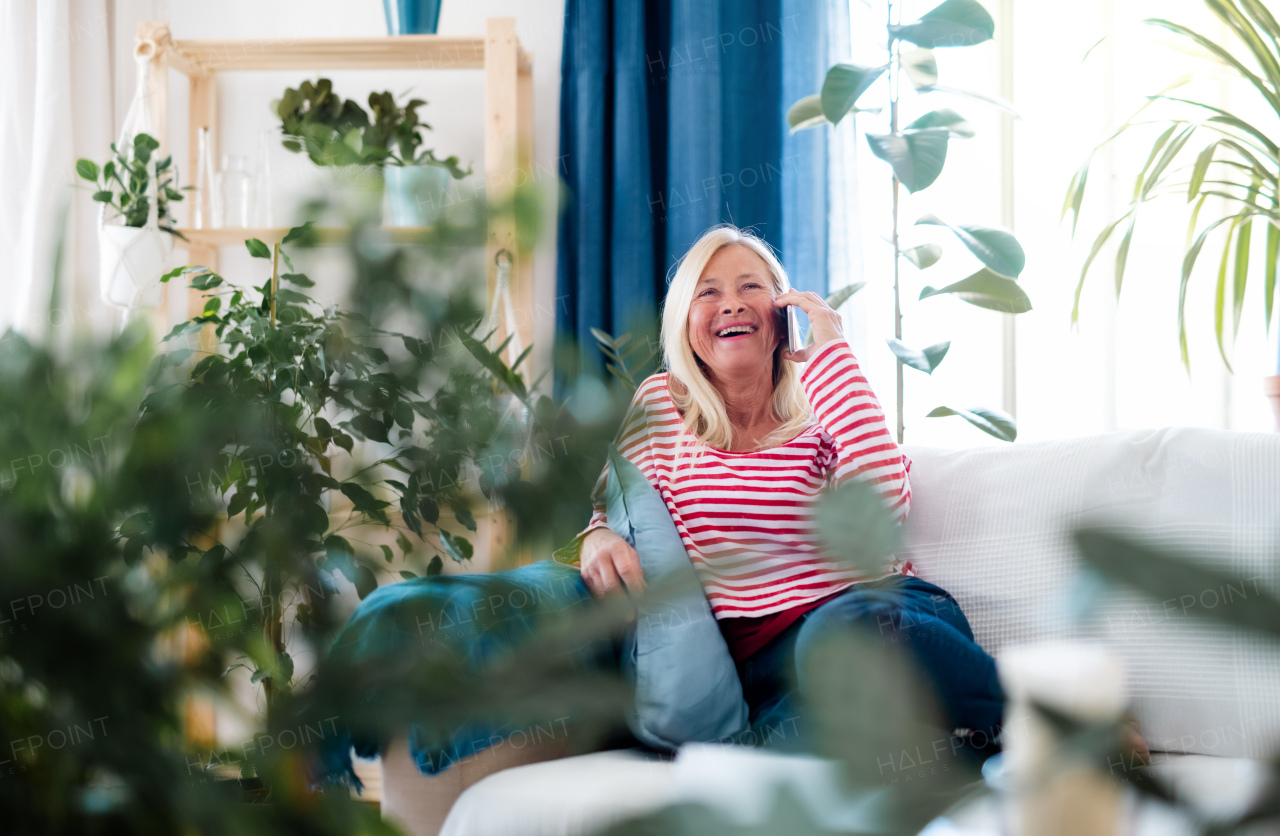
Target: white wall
454,110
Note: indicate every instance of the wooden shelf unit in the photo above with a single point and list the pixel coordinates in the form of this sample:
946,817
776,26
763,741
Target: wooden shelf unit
231,236
508,152
508,128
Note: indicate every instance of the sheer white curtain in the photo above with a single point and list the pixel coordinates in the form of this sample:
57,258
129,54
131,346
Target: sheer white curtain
55,106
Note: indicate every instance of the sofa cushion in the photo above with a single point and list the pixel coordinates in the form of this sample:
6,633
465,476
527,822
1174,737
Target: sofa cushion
993,527
686,684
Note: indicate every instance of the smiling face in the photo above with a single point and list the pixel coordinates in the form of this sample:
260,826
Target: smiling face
733,323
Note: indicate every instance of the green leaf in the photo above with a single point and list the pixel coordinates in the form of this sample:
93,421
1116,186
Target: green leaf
407,575
387,553
1203,161
1244,243
855,526
1098,243
1156,148
998,249
925,255
259,675
238,502
1219,297
177,271
403,542
844,294
87,169
257,248
362,499
921,67
806,113
946,118
986,289
435,567
285,663
1175,577
366,582
103,196
299,232
842,87
206,281
1269,273
462,514
429,510
925,361
496,367
917,158
993,422
369,427
212,306
136,526
297,279
459,548
183,328
284,294
1188,266
1075,194
1122,253
954,23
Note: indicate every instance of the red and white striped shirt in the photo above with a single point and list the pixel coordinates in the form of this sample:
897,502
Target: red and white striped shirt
747,519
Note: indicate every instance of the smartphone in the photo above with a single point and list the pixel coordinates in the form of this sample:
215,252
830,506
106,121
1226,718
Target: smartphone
794,343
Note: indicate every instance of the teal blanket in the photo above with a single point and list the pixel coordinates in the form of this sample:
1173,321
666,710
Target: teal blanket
439,635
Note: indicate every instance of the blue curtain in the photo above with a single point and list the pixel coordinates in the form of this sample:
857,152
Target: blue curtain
673,119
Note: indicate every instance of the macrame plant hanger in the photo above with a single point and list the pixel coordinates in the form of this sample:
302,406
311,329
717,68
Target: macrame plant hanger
130,259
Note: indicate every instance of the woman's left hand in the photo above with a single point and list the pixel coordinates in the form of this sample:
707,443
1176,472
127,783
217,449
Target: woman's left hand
824,323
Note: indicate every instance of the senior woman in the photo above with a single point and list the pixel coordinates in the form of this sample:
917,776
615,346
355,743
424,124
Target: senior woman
740,436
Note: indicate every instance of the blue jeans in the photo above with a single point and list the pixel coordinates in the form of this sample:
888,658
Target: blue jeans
906,614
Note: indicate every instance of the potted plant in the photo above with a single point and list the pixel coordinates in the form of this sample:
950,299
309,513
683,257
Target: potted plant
139,188
1205,151
344,447
916,152
339,133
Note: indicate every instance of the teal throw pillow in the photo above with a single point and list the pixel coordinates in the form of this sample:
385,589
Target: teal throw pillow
687,687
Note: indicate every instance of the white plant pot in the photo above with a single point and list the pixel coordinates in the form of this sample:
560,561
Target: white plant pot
130,262
416,194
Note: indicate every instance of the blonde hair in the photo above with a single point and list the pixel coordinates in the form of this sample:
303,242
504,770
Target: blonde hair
693,393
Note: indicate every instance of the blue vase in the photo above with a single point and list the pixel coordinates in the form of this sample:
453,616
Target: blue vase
412,17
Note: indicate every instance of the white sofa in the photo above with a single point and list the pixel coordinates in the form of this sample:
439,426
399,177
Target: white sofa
992,526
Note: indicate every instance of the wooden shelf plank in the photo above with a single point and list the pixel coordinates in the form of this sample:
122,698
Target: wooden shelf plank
406,52
236,236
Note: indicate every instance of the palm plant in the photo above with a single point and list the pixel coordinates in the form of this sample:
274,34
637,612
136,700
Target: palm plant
1205,151
917,154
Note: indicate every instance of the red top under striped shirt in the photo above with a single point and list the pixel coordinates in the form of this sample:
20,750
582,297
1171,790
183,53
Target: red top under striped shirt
746,518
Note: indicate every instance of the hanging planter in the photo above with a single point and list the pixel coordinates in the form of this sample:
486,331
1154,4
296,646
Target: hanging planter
139,187
130,262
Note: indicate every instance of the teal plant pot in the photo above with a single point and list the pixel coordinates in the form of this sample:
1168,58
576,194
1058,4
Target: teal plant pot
416,194
411,17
